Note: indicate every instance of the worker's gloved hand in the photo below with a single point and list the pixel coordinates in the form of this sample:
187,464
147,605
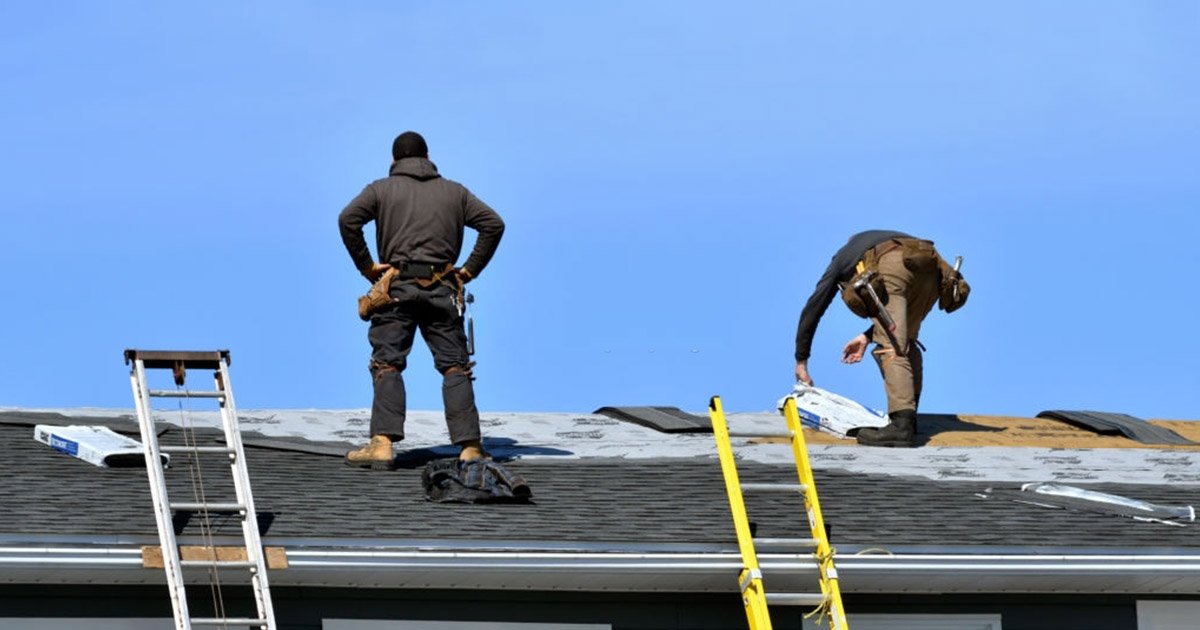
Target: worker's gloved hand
462,276
375,272
855,349
802,373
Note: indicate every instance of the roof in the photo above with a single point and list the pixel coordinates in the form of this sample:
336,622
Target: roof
658,512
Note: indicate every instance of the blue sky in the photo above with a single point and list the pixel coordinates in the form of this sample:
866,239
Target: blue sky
674,176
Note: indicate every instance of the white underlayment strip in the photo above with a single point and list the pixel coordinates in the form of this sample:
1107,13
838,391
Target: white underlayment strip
557,436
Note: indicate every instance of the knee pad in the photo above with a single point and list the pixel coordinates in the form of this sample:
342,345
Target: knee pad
459,369
379,368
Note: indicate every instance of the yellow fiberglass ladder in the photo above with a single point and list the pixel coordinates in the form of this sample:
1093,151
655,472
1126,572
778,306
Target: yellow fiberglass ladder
828,602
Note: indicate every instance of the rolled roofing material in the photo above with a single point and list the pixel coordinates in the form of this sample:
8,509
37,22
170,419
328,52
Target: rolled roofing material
1118,423
665,419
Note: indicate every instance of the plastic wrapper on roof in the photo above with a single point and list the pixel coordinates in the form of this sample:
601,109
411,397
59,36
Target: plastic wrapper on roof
1153,511
826,411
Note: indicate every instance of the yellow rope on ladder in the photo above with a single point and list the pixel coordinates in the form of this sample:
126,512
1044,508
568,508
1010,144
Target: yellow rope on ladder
822,610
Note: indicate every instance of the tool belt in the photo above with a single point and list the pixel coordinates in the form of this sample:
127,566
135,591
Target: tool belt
430,272
476,481
920,256
424,275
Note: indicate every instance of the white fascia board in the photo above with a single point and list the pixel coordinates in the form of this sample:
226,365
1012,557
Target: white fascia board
640,572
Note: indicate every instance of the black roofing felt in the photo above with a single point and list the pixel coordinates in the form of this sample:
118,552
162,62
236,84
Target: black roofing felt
634,502
1118,423
665,419
328,449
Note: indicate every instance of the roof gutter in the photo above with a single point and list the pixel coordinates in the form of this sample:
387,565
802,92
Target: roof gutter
640,572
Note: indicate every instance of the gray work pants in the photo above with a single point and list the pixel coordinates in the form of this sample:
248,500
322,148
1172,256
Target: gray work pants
432,311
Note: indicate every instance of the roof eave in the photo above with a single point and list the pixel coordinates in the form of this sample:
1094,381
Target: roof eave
641,572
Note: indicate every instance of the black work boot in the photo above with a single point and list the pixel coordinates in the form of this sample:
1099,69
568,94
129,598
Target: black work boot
901,431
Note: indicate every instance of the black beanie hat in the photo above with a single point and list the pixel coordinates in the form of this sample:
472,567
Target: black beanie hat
409,144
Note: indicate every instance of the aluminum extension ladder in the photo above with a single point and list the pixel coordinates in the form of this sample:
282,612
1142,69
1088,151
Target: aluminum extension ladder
255,562
828,602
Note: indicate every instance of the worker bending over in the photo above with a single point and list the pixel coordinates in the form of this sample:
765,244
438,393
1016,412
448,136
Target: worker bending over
909,277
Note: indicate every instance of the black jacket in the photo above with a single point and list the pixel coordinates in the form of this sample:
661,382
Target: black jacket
419,217
840,270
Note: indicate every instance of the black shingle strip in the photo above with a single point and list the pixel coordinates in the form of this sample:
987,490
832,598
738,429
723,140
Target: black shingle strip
1117,423
297,445
126,425
665,419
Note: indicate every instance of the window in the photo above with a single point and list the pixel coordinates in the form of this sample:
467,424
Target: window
1167,615
916,622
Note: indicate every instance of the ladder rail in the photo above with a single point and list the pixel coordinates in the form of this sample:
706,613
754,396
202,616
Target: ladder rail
755,599
824,552
255,562
158,493
241,477
750,578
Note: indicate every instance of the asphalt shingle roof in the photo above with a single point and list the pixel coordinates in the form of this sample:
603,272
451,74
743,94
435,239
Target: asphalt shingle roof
634,502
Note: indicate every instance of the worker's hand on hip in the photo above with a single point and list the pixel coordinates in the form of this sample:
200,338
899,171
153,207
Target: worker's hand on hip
462,276
855,349
802,373
375,272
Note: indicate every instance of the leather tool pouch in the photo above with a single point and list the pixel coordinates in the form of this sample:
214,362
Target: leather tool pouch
377,298
855,302
954,289
869,265
919,256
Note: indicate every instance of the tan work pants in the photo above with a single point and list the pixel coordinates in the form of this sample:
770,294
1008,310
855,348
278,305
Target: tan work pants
911,295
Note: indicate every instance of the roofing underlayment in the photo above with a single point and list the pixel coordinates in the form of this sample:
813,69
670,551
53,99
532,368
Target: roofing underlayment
954,448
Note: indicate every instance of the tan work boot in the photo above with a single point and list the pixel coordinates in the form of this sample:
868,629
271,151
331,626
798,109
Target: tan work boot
471,450
376,455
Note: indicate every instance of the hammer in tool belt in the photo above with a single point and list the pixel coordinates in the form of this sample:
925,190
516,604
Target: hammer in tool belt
463,300
867,292
957,267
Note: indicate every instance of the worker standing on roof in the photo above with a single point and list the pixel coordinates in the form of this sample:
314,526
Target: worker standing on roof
910,277
419,218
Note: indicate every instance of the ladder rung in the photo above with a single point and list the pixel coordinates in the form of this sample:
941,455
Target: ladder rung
211,507
218,564
795,599
785,542
197,449
760,434
184,393
773,487
228,621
